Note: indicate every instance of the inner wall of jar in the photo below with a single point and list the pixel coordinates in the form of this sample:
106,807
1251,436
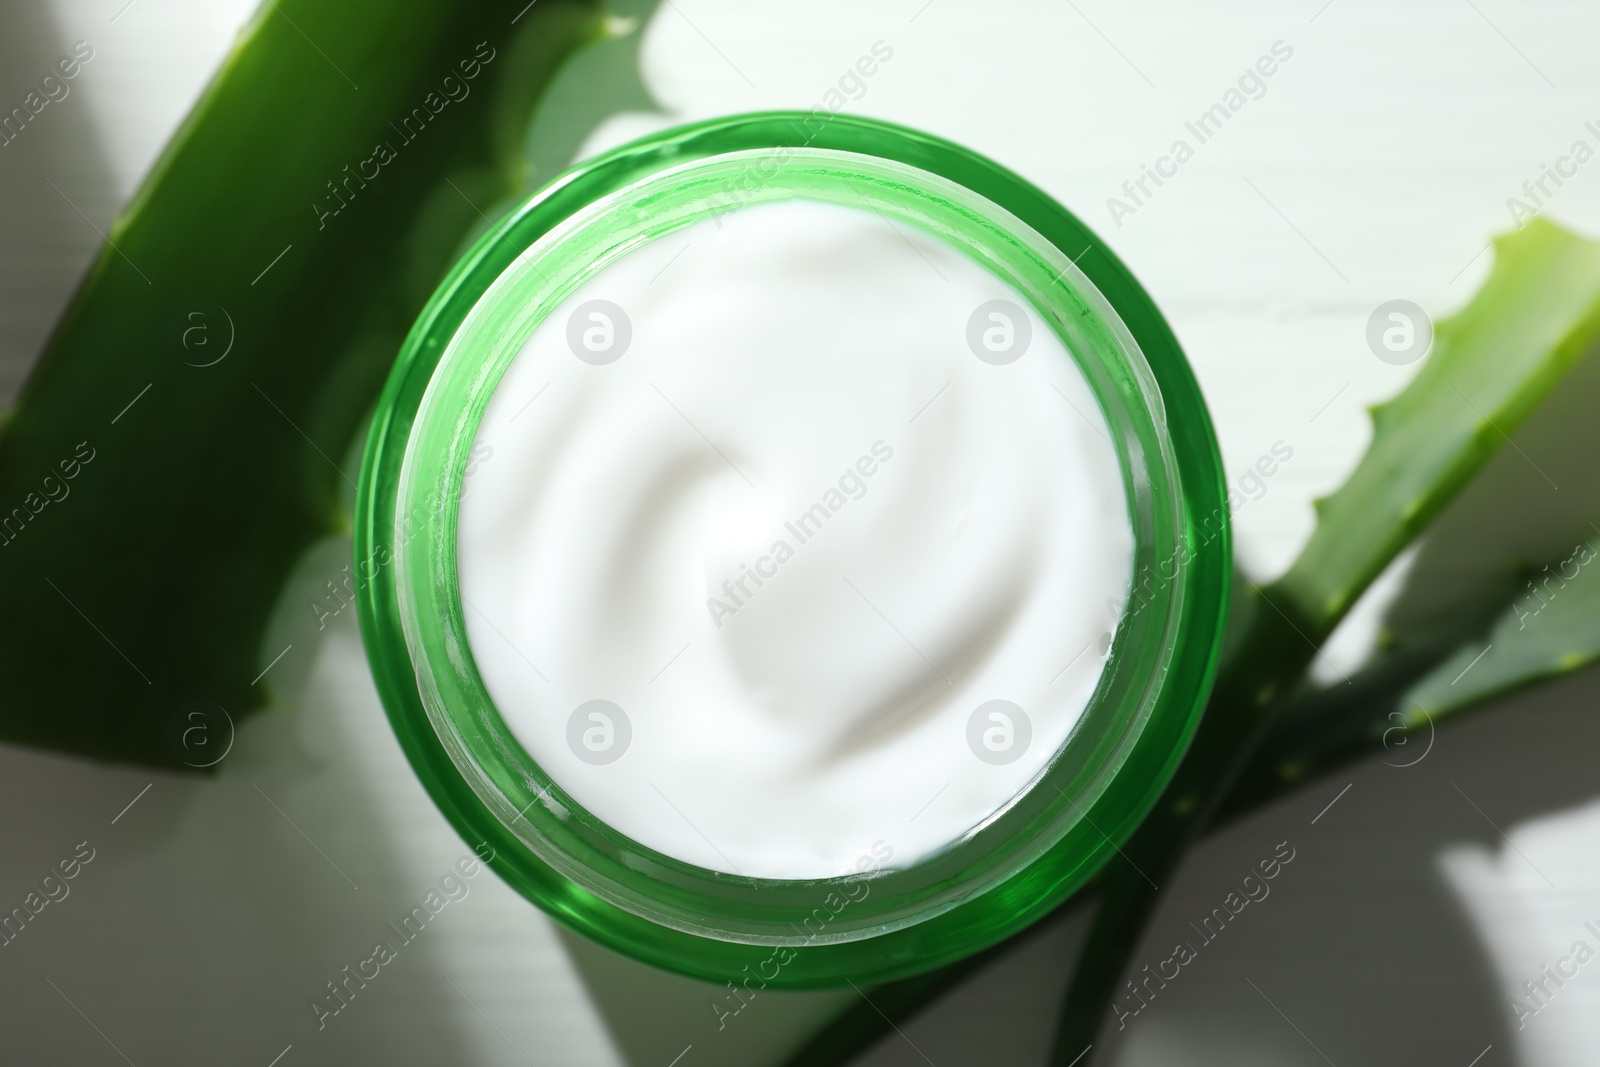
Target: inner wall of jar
793,543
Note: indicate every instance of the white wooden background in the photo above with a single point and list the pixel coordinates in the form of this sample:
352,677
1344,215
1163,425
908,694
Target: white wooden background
1376,166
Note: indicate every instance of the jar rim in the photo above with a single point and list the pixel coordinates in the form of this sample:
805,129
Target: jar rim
1034,850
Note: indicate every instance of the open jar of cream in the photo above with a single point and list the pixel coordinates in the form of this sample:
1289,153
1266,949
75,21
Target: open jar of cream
793,546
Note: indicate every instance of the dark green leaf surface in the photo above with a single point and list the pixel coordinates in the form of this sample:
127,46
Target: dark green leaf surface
1543,626
155,491
1492,364
1551,627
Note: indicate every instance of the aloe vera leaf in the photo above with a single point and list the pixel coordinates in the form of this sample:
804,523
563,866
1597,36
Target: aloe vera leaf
1536,314
1542,627
1392,705
200,478
1552,627
1330,727
1515,636
1493,362
1324,727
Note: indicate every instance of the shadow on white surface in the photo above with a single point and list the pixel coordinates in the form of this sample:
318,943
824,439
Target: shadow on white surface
654,1016
1361,943
1533,898
216,908
206,921
1537,498
1370,948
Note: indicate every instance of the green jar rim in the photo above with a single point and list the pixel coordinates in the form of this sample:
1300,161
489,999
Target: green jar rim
1033,852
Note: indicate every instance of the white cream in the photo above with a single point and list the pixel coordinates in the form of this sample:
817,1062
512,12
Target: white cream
790,692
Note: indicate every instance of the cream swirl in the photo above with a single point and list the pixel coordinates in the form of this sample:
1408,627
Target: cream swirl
793,532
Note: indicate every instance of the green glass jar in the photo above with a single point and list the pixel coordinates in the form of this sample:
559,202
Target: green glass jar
870,927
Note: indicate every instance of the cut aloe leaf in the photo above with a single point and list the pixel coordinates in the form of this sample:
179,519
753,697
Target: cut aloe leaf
1541,627
1551,627
1492,364
1328,726
174,451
